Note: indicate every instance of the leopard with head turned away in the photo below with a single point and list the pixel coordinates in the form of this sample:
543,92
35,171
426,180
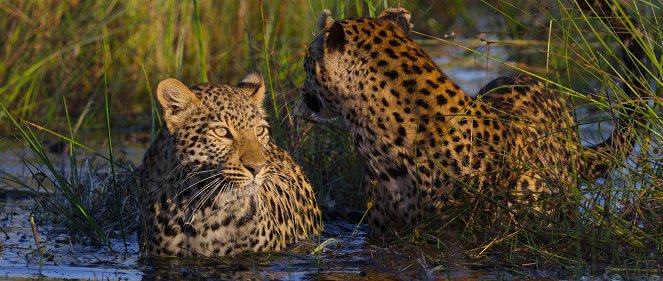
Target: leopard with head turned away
212,182
429,146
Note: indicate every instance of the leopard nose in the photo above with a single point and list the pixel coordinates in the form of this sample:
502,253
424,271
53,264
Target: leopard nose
253,168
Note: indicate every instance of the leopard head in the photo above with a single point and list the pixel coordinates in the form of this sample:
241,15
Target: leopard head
335,58
219,132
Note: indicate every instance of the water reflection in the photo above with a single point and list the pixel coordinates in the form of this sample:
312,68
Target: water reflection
351,257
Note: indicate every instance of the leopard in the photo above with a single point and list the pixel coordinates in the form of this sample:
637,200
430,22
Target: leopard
430,147
212,183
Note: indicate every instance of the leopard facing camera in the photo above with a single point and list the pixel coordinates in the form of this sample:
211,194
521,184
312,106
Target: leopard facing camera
430,148
212,182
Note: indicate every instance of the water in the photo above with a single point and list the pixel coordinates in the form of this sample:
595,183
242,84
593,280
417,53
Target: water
352,257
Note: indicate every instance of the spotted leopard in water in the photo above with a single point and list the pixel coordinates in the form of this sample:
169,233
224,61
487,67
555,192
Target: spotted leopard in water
212,183
428,145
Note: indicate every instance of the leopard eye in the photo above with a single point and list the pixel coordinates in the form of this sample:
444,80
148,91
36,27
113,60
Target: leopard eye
222,132
262,131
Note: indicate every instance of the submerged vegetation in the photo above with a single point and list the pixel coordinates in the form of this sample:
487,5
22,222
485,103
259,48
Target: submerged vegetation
77,76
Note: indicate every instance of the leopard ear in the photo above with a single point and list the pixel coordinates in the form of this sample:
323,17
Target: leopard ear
325,19
176,101
399,16
253,86
334,35
335,40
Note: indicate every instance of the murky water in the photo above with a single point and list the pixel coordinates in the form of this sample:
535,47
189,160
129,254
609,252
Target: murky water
57,257
351,257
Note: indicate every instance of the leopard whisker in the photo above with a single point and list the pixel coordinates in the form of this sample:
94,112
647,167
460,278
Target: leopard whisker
228,185
194,173
196,183
181,190
219,189
203,190
204,195
167,176
285,116
209,191
299,109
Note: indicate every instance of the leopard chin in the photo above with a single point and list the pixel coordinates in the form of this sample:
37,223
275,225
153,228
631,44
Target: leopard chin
318,117
226,197
253,185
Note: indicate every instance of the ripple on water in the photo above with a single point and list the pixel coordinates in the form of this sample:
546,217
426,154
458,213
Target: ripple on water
350,257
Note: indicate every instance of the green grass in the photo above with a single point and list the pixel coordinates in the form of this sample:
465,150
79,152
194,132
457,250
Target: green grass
73,70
